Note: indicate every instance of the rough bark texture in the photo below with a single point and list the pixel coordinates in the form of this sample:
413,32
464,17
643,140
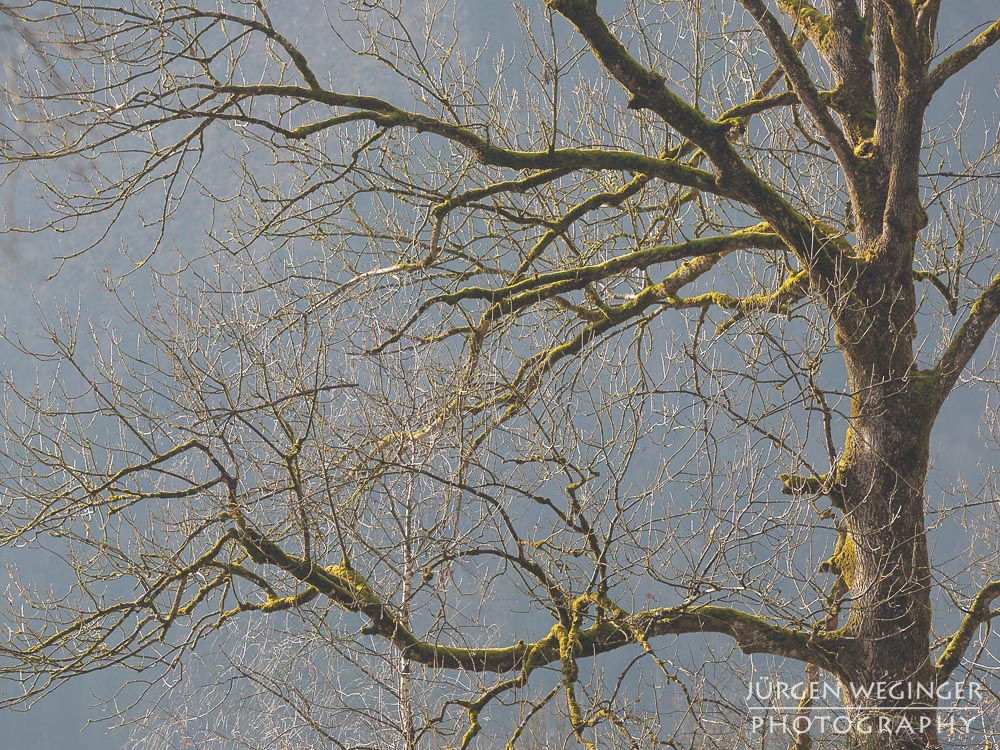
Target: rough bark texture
884,558
879,481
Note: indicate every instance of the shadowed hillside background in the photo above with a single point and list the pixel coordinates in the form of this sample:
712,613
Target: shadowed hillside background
79,288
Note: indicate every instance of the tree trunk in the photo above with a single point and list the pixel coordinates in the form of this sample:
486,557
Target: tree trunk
883,555
885,565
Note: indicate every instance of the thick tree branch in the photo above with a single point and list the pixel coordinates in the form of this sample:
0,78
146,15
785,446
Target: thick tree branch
804,88
388,116
967,340
753,634
848,51
956,61
736,179
902,53
813,22
756,106
913,50
978,614
927,16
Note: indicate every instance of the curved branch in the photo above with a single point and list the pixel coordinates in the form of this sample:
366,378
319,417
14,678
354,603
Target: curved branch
387,115
936,282
267,29
978,614
967,340
753,634
957,61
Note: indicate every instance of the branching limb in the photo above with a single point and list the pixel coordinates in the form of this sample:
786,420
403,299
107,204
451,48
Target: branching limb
516,296
936,282
386,115
957,61
979,613
267,29
812,485
663,294
69,504
647,88
348,589
609,198
804,87
967,340
736,178
506,186
793,289
118,633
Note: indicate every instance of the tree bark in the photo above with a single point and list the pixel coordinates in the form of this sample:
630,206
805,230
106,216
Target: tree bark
883,556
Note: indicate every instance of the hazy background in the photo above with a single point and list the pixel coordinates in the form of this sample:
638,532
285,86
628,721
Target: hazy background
27,260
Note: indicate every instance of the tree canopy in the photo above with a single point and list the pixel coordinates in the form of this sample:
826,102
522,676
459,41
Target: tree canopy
511,395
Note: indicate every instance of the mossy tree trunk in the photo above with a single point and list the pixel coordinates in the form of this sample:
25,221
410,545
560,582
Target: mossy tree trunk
884,559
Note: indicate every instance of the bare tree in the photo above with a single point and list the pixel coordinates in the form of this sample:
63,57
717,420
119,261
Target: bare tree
511,410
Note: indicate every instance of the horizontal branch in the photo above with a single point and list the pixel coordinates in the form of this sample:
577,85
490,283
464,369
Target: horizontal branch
753,634
791,290
507,186
532,290
756,106
387,115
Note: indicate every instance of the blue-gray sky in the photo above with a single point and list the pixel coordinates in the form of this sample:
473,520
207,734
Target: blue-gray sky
26,261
